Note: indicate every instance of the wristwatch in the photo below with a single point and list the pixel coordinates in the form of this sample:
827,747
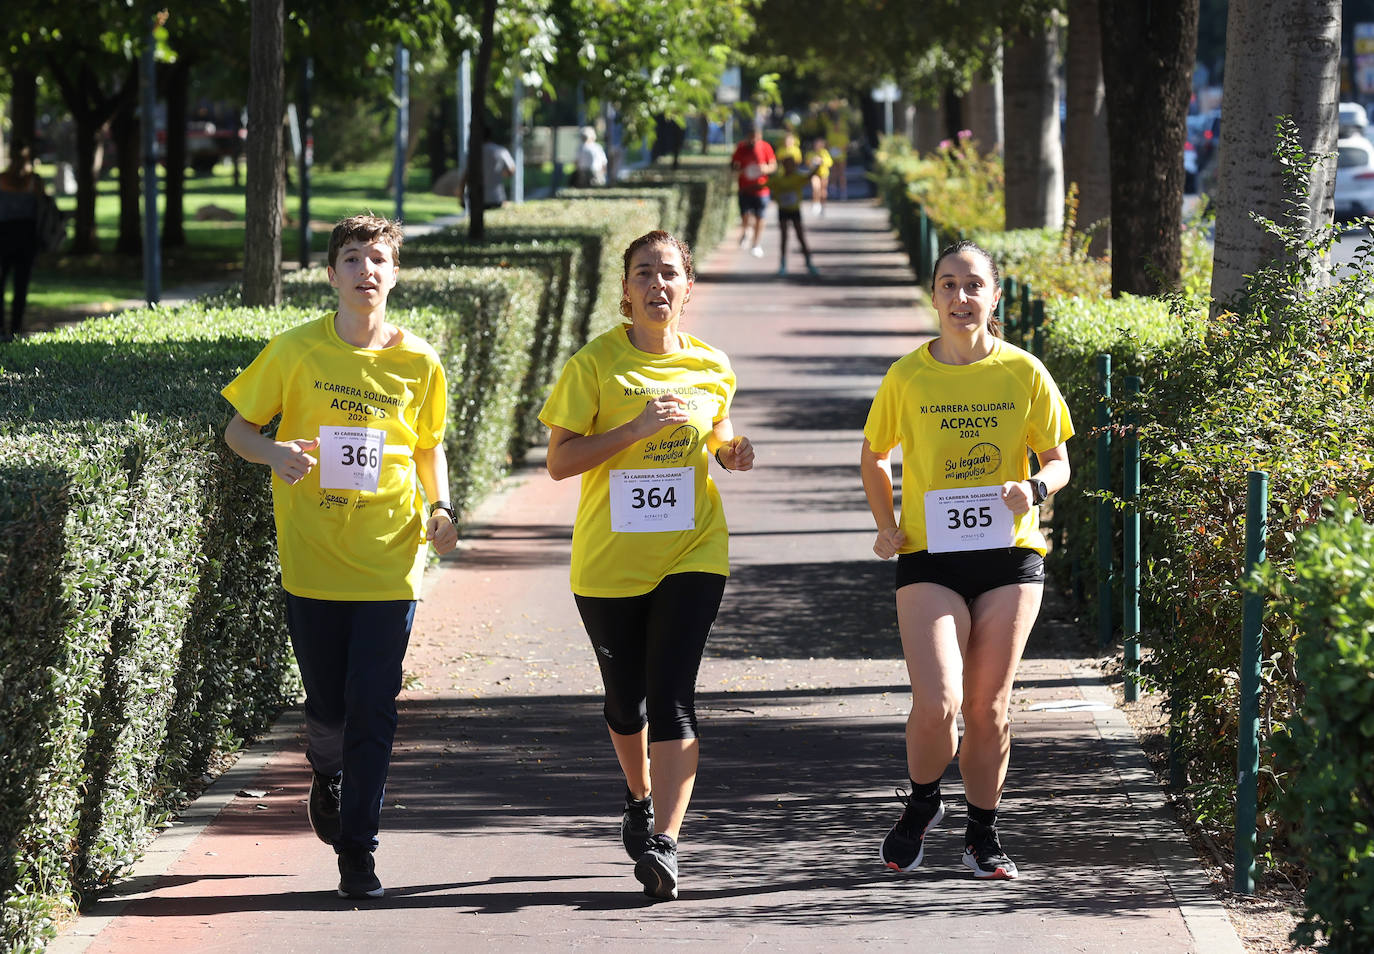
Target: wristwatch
1038,491
446,507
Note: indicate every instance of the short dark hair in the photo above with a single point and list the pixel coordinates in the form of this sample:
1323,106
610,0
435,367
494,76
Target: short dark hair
366,227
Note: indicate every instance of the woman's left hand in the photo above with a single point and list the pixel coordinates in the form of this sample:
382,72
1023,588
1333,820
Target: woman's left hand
442,534
736,454
1016,494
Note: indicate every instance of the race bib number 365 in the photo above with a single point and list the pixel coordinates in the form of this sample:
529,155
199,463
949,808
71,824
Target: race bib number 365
967,518
652,501
351,458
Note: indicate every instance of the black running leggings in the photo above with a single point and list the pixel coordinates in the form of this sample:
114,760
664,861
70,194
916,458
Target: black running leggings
649,648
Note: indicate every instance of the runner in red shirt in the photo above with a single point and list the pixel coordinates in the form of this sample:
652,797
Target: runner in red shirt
755,161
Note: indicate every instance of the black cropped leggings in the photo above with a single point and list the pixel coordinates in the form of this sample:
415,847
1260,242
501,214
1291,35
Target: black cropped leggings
649,648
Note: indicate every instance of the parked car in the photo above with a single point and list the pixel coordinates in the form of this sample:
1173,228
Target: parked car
1354,177
1208,138
1189,168
1352,121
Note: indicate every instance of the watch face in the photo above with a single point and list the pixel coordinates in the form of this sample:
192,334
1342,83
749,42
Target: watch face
1041,491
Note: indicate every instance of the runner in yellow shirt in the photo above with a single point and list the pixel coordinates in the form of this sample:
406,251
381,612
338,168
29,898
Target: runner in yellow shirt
964,408
363,406
640,412
819,160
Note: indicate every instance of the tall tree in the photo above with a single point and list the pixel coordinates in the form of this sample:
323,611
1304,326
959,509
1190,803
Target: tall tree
477,133
1033,156
1282,60
1087,159
266,186
1147,68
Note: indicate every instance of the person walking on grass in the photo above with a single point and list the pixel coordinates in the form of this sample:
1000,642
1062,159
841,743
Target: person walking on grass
362,406
964,408
640,413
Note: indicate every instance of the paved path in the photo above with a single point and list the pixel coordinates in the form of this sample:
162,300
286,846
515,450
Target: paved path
501,825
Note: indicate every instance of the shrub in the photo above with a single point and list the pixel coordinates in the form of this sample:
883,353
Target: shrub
1331,800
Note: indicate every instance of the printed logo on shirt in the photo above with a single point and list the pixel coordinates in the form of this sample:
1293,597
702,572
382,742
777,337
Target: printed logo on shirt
674,448
970,420
359,404
980,460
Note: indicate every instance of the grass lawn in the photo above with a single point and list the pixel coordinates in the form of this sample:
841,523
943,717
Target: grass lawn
66,284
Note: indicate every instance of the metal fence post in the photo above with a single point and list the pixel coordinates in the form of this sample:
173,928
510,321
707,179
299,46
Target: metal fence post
1037,324
1104,507
1251,638
1130,561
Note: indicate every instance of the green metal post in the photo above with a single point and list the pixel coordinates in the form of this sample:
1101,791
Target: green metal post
1130,561
1024,318
1104,507
923,248
1037,327
1251,637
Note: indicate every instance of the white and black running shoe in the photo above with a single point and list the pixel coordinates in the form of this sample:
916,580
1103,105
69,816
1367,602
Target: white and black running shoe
358,874
637,824
983,853
905,845
656,869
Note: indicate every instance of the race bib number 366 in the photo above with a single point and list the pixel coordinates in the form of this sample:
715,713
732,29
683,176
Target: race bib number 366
967,518
351,458
652,501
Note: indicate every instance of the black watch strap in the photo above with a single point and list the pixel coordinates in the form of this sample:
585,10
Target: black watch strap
1038,491
446,507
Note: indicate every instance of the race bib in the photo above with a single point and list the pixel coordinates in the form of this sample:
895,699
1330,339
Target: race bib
967,518
789,199
351,458
653,501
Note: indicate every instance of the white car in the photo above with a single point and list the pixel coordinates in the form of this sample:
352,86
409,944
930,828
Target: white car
1352,120
1354,177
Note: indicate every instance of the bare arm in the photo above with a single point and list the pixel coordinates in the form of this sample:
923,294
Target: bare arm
733,452
431,466
1054,471
571,453
877,476
289,460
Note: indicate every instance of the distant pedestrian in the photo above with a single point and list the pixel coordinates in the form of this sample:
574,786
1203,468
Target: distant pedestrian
362,408
641,412
591,161
964,408
787,185
498,166
21,190
755,161
819,161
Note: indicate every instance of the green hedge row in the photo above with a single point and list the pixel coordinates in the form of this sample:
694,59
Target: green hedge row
142,631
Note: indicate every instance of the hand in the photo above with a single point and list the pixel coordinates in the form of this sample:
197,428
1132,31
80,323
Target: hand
658,413
291,459
1017,495
441,532
736,454
889,542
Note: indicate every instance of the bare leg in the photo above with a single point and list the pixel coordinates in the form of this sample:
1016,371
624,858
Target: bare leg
801,240
758,230
934,623
674,771
782,243
1001,624
633,754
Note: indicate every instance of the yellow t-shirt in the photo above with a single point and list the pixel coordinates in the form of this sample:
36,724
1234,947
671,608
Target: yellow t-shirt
336,541
604,385
782,152
820,162
966,426
787,189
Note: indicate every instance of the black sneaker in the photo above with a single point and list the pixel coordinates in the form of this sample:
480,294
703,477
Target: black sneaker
323,806
983,853
905,844
656,869
637,824
357,874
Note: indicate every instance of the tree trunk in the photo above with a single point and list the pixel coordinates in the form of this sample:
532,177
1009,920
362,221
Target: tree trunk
1282,61
124,129
23,106
1147,67
983,108
1087,157
477,137
178,78
91,109
1034,158
929,126
265,193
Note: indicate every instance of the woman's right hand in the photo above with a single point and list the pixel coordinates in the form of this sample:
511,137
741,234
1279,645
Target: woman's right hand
658,413
889,542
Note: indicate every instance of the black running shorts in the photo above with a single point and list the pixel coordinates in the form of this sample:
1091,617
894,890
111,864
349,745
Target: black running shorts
971,573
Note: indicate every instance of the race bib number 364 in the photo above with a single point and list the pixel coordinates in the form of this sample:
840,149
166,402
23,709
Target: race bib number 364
652,501
967,518
351,458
